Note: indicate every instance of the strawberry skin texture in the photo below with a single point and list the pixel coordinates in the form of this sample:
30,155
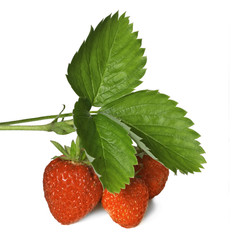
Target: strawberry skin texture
153,173
71,190
127,208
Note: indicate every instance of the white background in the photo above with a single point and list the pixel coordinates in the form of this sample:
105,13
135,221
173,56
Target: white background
193,56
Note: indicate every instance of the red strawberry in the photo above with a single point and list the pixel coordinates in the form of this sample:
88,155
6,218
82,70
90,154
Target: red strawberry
72,189
153,173
127,208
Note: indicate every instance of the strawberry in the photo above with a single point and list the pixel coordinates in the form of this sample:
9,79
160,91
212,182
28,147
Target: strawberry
127,208
153,173
71,188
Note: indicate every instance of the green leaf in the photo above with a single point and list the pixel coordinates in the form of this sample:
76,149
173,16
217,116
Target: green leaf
109,64
134,137
140,144
108,143
163,127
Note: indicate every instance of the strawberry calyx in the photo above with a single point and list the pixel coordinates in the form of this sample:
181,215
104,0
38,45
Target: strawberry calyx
139,152
75,153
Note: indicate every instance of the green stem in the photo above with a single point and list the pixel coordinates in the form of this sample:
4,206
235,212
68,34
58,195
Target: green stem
53,126
36,119
29,127
59,127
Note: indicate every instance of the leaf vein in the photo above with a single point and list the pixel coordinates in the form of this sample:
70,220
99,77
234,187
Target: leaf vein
104,70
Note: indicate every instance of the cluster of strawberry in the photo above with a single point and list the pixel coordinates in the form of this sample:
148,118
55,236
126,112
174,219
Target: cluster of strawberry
72,190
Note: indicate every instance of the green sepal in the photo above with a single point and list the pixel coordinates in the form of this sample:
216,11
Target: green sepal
73,153
62,128
60,148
